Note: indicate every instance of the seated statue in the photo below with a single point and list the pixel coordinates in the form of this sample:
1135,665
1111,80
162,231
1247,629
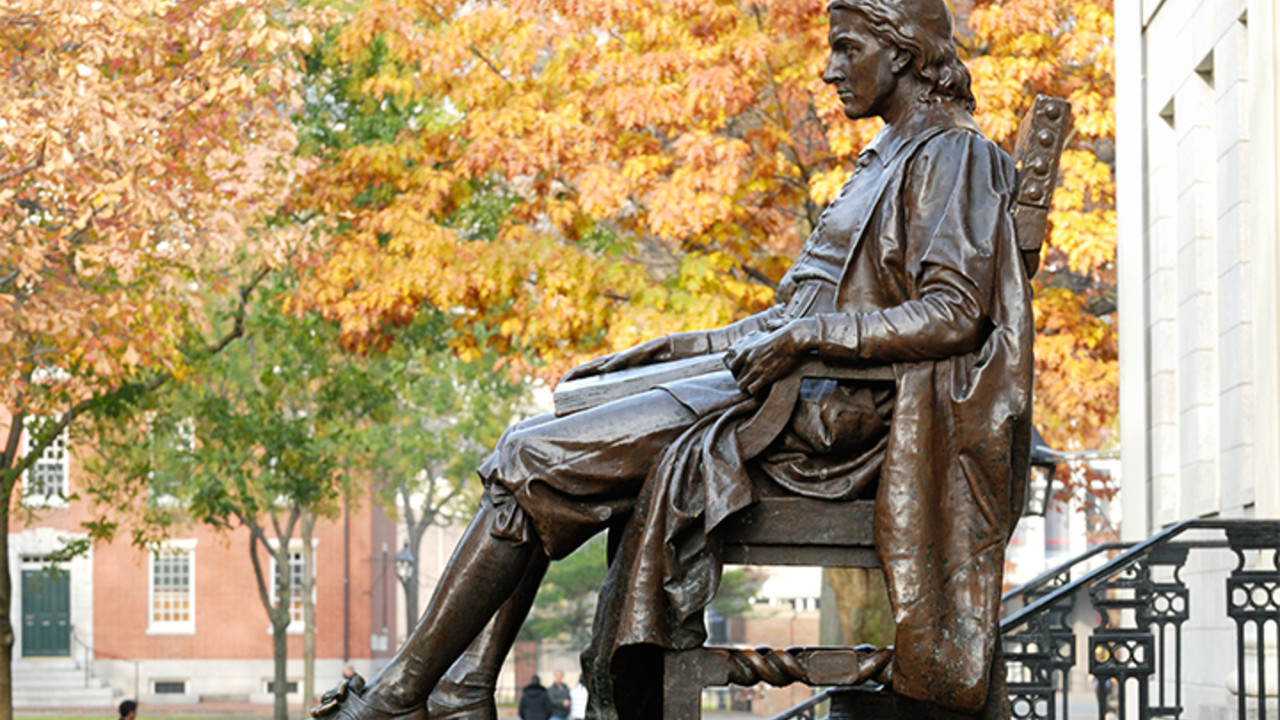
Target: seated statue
914,267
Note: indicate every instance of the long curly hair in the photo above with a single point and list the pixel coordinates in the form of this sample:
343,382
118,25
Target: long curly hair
924,29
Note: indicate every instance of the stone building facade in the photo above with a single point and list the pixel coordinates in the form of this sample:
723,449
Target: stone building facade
1198,157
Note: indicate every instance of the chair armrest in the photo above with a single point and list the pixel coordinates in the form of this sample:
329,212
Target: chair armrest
756,433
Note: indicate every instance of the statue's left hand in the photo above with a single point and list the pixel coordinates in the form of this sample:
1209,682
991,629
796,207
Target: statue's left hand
643,354
758,360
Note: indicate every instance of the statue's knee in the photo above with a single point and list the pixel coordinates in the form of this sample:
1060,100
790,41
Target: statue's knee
516,449
510,440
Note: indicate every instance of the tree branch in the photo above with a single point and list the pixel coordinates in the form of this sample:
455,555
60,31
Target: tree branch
34,450
487,61
11,452
758,276
23,170
238,315
409,518
471,46
256,536
294,512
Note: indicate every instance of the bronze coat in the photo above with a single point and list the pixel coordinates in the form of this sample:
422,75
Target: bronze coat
932,284
952,484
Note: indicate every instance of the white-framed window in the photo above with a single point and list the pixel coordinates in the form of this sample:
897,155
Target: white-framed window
180,438
45,482
172,589
296,571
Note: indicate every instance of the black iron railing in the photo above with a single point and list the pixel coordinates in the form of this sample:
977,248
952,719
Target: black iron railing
1142,603
807,710
1135,652
1043,657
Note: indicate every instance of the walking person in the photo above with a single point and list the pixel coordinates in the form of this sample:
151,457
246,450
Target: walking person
578,701
535,704
559,694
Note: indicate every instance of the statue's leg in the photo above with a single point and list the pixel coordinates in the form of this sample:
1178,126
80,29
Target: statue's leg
484,572
552,484
466,692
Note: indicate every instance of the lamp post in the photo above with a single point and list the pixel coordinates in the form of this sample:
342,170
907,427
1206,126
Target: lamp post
1044,463
407,571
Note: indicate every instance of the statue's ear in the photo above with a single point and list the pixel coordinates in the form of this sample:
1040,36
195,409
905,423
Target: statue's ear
901,61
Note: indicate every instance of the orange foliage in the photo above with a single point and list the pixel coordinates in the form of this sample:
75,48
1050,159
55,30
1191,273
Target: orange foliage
139,141
664,161
1064,48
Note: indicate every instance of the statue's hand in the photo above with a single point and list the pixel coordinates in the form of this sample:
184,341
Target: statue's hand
650,352
760,359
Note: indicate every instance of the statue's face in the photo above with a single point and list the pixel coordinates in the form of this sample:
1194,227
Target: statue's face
861,68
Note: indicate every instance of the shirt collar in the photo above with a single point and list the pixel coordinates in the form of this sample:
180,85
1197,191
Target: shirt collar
920,116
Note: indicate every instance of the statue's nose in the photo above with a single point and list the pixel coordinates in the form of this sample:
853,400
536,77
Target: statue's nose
831,74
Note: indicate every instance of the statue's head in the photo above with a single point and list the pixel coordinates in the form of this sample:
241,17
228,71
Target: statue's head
924,29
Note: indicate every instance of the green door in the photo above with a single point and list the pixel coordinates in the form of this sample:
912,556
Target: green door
46,613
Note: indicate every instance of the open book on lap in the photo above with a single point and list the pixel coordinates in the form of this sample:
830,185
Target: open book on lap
588,392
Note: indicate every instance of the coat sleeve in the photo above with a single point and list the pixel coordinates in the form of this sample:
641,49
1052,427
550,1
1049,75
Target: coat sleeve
688,344
954,214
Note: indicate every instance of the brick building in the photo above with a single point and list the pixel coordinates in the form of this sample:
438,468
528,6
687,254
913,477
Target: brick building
184,623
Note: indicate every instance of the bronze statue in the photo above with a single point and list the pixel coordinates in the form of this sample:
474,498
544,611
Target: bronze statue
913,267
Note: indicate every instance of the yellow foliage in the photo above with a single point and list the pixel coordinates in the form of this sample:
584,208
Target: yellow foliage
140,141
696,135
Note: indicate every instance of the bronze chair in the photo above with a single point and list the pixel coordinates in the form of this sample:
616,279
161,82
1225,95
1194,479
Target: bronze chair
784,529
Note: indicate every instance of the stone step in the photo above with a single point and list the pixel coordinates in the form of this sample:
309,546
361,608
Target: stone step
58,684
74,681
28,665
83,697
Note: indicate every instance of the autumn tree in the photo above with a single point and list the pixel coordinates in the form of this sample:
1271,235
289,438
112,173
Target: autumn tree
659,164
439,416
139,143
257,438
1063,48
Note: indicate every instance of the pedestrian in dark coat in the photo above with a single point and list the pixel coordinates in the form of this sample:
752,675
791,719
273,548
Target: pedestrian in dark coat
535,704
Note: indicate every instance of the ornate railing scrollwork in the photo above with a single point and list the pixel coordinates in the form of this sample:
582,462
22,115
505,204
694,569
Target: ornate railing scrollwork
1137,648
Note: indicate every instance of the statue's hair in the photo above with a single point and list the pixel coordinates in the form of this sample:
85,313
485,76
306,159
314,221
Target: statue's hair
933,49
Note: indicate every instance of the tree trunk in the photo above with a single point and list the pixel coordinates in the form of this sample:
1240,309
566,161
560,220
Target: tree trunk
280,630
416,525
416,531
6,601
862,605
277,610
308,612
280,647
8,481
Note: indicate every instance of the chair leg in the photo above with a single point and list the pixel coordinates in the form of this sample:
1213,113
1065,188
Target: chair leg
685,673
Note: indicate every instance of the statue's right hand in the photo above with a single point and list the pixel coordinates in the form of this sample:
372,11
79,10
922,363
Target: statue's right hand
643,354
